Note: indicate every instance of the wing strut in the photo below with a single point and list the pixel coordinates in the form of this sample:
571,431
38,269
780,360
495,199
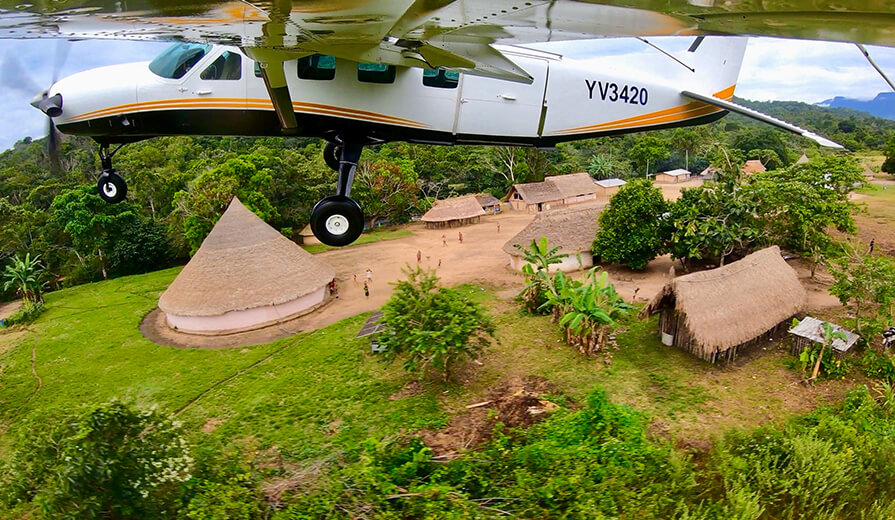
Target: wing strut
875,66
754,114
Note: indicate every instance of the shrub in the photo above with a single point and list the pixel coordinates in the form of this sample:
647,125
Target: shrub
879,365
113,461
632,228
27,313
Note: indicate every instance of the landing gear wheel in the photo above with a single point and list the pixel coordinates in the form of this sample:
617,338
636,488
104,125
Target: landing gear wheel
111,187
331,154
337,220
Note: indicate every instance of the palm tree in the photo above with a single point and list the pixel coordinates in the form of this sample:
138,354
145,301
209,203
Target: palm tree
26,275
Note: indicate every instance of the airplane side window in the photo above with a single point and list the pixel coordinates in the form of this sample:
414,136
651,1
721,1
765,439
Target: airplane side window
317,67
257,69
178,59
228,66
440,78
376,73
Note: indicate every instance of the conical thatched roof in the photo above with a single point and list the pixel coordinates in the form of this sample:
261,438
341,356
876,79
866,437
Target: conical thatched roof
803,159
572,229
730,305
243,264
457,208
753,166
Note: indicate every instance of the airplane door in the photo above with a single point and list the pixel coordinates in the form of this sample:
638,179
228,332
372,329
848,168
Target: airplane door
496,107
221,81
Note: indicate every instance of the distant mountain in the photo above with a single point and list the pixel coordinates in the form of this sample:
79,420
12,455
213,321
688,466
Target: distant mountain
883,105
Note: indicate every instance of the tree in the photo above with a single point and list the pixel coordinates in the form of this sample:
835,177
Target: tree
713,221
889,163
202,204
434,326
866,284
648,149
386,189
112,461
632,228
26,276
607,167
768,158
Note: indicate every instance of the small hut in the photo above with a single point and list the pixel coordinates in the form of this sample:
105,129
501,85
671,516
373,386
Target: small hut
708,174
713,314
753,166
307,236
608,187
571,229
811,330
868,173
803,159
534,196
245,276
489,203
575,188
673,176
454,212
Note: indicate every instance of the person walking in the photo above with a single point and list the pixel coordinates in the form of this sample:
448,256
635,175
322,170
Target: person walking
498,227
443,240
366,290
460,236
369,274
419,256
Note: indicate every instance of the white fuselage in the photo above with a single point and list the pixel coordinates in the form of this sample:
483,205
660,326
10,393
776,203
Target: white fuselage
567,100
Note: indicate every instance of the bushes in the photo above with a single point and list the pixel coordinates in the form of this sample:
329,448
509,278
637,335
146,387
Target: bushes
632,228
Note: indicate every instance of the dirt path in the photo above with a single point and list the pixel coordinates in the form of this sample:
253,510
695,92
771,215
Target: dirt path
9,308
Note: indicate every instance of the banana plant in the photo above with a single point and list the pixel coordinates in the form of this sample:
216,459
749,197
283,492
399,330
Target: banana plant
26,275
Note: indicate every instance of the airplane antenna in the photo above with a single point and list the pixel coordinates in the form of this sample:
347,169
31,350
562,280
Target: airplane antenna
875,66
663,51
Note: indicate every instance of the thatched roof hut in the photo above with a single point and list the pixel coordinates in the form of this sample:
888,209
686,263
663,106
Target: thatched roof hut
454,212
245,276
553,193
488,202
753,166
574,187
803,159
571,229
714,313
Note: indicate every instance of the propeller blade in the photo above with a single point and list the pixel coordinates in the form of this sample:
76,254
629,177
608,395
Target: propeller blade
14,76
63,47
53,147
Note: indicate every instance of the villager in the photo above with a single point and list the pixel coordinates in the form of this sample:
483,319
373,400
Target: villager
871,245
460,236
498,227
419,256
443,240
369,276
366,290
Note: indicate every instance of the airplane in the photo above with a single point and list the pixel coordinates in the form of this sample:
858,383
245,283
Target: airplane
363,72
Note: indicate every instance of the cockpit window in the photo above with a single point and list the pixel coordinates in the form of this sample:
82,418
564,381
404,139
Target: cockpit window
178,59
227,66
441,78
317,66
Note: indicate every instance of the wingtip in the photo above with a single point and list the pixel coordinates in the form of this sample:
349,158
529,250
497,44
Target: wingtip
823,141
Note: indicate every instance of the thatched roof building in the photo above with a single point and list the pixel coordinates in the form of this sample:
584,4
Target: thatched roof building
554,192
454,212
803,159
488,202
571,229
245,276
753,166
714,313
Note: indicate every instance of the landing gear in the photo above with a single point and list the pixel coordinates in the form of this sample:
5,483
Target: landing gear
110,185
339,220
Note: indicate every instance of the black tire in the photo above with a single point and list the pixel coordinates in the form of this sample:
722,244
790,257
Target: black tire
111,187
331,155
337,221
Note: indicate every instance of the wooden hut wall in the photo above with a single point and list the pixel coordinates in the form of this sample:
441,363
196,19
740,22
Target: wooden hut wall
453,223
674,323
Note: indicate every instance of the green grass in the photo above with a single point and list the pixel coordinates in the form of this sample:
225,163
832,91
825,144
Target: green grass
372,236
316,394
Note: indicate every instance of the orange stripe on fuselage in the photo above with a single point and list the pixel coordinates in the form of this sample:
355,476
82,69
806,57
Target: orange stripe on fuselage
668,115
241,103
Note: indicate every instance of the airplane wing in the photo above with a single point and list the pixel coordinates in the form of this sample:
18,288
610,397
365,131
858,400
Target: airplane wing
457,34
754,114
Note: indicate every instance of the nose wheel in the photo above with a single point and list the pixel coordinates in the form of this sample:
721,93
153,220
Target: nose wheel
339,220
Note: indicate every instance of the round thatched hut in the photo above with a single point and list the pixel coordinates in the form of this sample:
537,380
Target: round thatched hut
571,229
245,276
455,212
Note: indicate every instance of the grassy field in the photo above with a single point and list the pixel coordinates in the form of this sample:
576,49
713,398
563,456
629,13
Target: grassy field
311,395
376,235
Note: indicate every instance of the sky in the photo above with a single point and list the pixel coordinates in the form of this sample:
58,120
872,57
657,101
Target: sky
773,69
